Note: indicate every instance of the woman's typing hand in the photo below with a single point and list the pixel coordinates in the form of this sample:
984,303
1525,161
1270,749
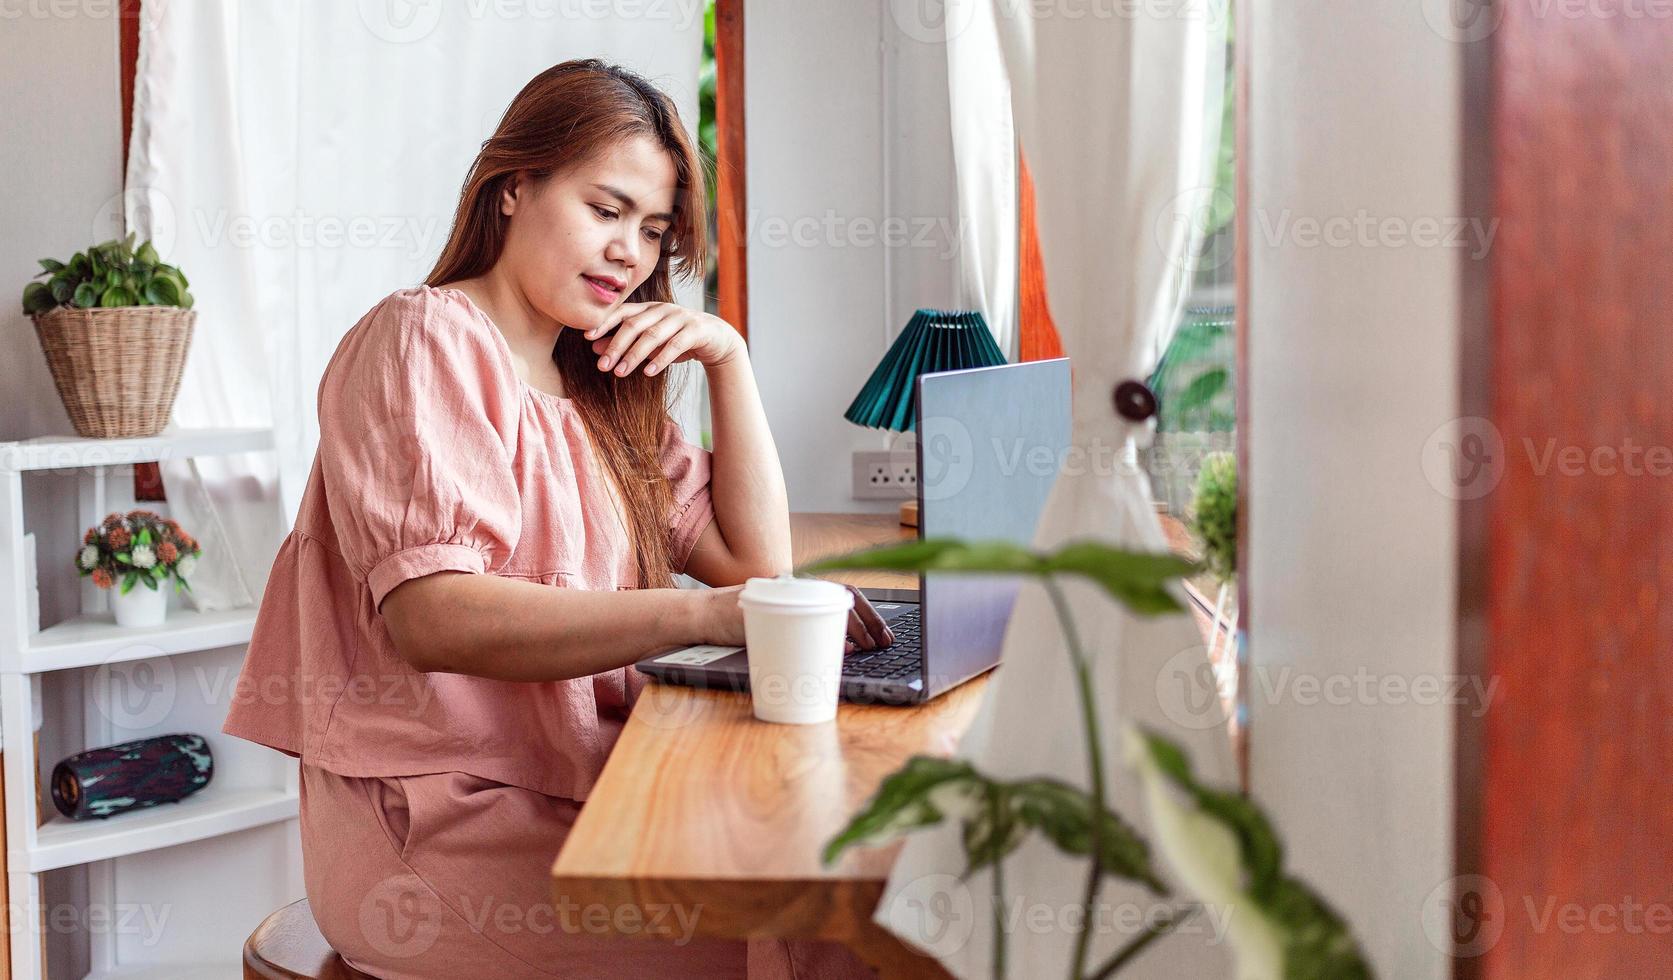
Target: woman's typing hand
722,621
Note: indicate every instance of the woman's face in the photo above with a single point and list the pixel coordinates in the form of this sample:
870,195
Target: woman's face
579,243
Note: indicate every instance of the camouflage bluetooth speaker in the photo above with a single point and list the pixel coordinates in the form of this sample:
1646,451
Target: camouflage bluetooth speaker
132,775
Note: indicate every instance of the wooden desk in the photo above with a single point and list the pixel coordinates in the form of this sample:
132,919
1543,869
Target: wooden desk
705,808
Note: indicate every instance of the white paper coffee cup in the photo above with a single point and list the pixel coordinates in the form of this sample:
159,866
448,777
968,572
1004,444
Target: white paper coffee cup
794,630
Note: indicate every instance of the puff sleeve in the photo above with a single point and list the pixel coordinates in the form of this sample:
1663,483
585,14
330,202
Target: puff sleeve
419,414
688,469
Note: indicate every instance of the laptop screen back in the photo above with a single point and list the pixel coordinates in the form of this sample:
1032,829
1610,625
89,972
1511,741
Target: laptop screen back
990,444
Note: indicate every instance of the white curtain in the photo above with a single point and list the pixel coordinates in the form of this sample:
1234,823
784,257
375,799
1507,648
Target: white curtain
985,165
1115,109
300,160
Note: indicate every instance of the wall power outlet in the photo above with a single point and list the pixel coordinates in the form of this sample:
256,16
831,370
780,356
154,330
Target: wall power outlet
885,476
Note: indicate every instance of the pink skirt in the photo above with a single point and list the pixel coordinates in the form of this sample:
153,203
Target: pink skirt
443,876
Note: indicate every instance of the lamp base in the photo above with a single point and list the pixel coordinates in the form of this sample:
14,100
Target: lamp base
909,513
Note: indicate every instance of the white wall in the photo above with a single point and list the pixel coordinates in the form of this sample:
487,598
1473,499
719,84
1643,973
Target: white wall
61,157
61,154
1353,363
847,125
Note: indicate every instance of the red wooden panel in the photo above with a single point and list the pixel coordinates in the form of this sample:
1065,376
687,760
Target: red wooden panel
731,197
1565,794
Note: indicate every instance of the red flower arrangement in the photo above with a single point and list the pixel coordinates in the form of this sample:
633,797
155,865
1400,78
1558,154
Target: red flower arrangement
139,546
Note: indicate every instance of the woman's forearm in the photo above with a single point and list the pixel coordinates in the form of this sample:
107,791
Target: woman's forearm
752,509
513,630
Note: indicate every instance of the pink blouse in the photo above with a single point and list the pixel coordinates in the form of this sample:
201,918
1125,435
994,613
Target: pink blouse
434,455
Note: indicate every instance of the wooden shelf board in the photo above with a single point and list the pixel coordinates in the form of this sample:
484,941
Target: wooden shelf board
171,971
92,639
210,812
72,452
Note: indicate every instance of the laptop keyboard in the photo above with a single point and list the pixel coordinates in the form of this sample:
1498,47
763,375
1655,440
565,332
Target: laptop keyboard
891,662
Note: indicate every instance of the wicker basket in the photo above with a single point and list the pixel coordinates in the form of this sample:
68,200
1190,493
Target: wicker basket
117,368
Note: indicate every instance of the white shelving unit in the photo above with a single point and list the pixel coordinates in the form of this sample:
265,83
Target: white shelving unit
93,640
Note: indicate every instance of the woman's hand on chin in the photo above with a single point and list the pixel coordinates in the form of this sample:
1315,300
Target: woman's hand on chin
655,335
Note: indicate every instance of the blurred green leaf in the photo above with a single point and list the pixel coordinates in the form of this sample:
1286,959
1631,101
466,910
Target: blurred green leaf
1274,917
1201,390
1137,580
995,816
902,802
1063,813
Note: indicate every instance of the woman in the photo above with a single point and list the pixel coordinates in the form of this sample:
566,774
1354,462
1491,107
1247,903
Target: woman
488,539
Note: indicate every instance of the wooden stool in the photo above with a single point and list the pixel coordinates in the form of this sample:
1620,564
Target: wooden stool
288,946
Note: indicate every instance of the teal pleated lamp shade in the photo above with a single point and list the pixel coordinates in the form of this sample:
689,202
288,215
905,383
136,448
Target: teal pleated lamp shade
934,340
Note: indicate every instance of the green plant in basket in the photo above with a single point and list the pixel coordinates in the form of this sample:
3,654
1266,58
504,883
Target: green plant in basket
139,547
1221,846
113,273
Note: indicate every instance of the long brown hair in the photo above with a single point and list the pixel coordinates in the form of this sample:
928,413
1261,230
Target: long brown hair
561,118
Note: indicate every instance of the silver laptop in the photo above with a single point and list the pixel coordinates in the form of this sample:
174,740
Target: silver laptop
990,443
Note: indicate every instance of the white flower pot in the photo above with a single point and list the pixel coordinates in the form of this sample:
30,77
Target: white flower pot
141,606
